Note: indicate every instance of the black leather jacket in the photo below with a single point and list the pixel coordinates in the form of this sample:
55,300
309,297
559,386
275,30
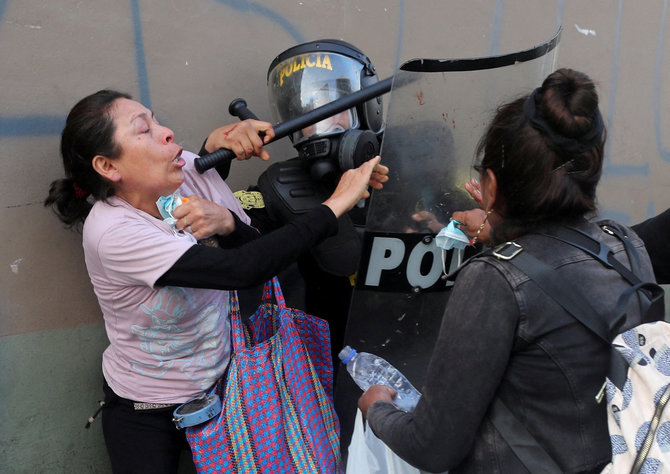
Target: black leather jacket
502,335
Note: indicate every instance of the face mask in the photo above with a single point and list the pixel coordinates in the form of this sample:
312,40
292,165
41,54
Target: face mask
451,237
166,206
332,155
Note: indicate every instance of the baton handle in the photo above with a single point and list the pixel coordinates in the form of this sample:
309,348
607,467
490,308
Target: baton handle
213,159
239,106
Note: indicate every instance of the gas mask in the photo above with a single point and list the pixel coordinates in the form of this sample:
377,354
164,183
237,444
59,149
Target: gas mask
311,75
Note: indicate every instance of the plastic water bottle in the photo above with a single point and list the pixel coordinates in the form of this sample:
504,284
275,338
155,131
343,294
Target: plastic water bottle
369,369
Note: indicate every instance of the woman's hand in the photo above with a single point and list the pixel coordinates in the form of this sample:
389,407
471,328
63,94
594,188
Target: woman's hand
374,394
353,185
426,219
242,138
471,221
202,218
475,191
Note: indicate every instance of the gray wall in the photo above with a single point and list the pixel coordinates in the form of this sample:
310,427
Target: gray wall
187,59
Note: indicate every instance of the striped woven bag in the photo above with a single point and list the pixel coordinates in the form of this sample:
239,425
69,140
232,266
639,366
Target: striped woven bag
278,414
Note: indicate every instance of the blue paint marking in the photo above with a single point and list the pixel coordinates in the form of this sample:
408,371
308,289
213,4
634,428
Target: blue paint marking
615,215
258,9
36,125
494,46
560,5
53,125
140,59
658,75
401,29
608,167
31,125
650,209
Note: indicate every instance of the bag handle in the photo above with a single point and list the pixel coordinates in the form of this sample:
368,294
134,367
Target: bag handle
271,287
238,334
236,325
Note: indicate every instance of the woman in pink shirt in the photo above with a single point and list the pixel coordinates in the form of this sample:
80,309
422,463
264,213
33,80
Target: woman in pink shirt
162,292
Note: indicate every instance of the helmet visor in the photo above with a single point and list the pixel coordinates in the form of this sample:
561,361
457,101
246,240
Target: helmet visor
307,81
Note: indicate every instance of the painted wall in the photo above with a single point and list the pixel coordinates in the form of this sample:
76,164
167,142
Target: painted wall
187,59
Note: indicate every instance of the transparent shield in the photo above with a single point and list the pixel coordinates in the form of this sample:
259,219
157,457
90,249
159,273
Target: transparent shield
438,111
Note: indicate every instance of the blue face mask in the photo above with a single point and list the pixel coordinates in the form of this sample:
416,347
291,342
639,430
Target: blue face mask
166,206
451,237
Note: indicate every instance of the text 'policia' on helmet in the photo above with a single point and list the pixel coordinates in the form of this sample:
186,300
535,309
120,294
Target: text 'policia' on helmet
313,74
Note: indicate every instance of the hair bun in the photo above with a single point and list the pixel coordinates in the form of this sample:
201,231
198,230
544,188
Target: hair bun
569,102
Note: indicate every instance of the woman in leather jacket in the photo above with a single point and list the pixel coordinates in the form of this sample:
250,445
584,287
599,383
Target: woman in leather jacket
501,335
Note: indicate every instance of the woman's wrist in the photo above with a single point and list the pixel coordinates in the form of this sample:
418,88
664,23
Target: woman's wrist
336,205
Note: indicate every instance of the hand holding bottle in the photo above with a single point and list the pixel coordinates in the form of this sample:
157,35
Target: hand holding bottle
376,393
372,373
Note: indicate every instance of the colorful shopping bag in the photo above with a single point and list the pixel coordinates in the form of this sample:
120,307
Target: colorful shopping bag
278,414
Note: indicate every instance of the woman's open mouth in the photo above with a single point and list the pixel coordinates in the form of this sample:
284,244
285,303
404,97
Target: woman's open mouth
178,160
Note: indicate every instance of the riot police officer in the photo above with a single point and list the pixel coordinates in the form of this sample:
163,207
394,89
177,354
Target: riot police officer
300,79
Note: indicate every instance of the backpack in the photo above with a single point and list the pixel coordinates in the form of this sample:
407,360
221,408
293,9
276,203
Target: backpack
637,387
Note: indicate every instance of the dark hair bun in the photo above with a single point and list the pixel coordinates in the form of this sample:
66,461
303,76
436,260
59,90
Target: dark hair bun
569,102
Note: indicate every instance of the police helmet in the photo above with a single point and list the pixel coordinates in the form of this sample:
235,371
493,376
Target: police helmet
313,74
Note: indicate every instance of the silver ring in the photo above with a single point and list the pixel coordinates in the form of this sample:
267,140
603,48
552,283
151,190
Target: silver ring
190,229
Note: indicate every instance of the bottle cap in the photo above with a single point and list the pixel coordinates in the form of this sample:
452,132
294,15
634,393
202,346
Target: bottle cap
346,354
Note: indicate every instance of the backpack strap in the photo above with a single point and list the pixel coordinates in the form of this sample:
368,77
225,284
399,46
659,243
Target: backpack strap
600,250
574,303
633,255
650,299
520,441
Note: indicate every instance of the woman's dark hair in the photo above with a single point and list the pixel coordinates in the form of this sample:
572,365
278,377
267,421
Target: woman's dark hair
89,131
546,150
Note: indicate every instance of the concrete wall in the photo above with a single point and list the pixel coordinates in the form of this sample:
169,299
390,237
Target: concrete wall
187,59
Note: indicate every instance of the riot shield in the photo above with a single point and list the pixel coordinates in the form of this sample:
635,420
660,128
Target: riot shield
437,113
